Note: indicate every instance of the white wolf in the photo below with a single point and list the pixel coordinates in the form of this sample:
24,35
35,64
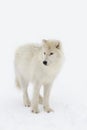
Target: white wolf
38,65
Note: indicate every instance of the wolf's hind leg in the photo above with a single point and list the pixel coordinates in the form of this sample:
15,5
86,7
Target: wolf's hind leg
24,87
26,100
17,83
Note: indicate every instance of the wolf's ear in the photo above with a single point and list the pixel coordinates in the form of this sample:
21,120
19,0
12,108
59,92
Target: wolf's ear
58,45
44,41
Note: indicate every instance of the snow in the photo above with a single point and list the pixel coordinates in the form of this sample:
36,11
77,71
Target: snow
23,21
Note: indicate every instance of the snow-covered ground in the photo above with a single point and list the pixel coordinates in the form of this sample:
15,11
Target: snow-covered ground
23,21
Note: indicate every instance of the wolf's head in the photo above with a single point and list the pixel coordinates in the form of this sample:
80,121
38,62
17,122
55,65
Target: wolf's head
52,50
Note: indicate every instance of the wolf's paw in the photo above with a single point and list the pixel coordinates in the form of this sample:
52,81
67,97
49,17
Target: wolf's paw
27,103
35,110
48,109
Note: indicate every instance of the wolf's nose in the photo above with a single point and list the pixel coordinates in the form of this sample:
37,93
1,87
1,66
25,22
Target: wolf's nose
45,62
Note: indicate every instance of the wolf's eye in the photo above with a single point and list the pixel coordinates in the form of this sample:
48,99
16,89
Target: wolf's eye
44,53
51,53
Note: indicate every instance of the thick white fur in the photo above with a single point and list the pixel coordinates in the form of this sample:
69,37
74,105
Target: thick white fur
29,67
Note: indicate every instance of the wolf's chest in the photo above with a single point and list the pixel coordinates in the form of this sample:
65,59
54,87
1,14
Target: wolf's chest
44,75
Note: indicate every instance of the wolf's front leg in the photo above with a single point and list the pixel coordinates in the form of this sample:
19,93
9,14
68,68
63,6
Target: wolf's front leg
35,99
47,89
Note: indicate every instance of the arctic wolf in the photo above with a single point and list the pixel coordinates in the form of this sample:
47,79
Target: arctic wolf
38,64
